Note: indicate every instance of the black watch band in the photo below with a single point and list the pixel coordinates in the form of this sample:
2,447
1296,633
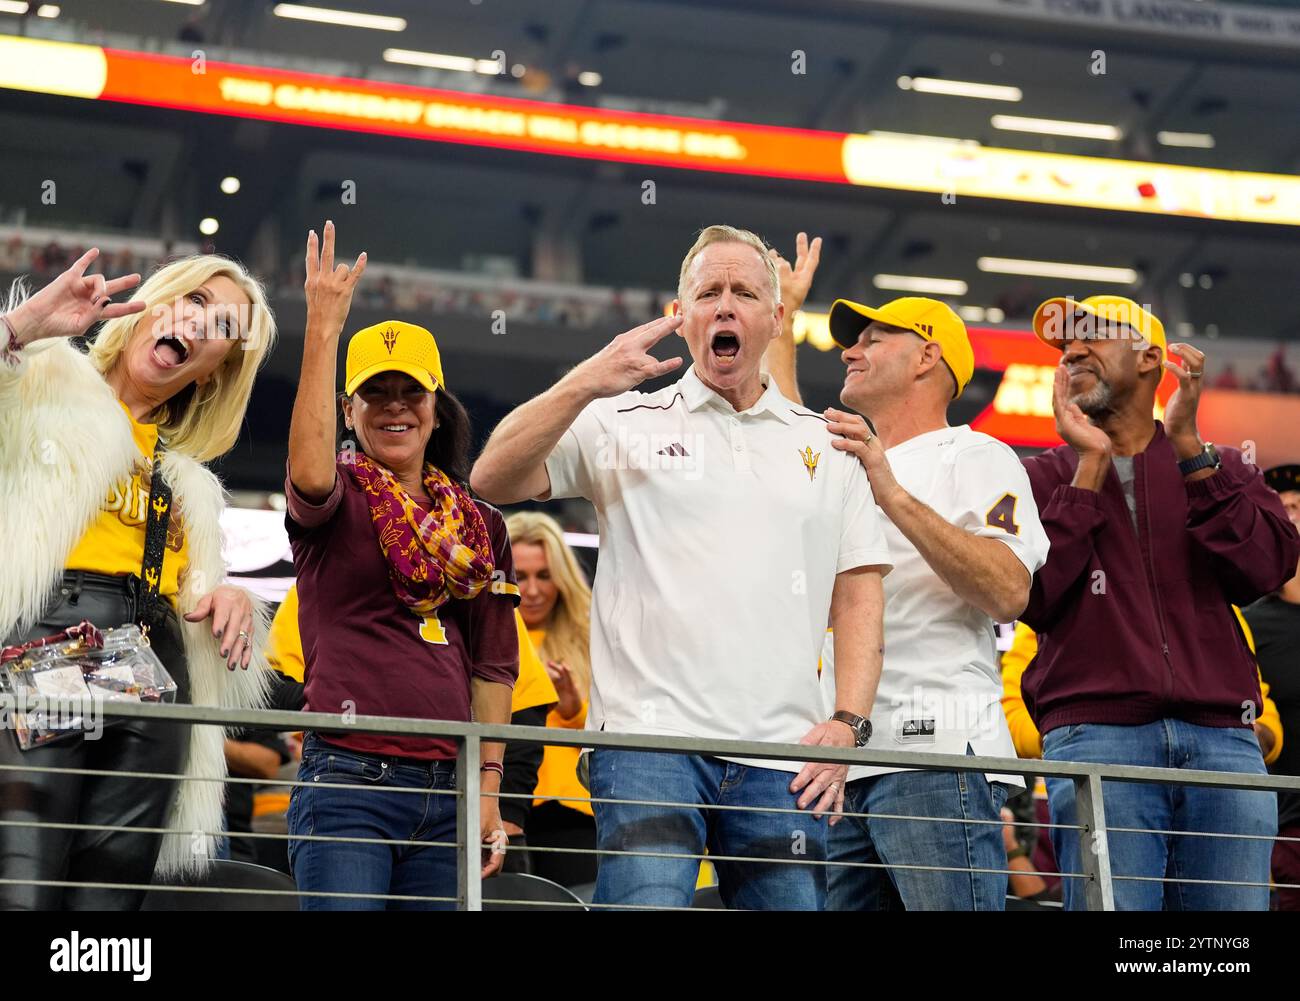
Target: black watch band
860,725
1207,458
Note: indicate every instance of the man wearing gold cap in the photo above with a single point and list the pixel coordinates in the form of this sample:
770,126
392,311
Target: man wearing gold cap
1155,535
964,532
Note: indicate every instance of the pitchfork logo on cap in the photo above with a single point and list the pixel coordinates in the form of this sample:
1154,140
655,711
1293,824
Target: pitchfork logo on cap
390,339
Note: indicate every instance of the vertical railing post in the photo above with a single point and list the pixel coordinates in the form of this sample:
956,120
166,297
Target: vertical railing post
469,865
1094,847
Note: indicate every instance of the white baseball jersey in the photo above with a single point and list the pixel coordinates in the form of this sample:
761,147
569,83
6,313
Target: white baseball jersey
941,688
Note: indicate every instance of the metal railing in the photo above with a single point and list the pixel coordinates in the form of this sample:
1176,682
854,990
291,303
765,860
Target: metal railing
1087,778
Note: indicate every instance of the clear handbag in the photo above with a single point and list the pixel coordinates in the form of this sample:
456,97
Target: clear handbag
58,684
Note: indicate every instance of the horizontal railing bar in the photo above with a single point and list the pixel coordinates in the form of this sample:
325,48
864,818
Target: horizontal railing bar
173,888
276,719
269,835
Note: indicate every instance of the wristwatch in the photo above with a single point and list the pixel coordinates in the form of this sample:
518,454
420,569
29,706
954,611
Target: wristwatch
1207,459
860,724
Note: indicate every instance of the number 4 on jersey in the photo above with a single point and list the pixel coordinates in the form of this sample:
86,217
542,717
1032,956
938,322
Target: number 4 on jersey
1003,515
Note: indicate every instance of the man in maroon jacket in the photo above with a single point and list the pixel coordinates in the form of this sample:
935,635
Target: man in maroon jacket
1154,535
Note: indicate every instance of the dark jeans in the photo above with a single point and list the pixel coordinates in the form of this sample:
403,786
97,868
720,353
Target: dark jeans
1210,870
775,842
958,848
378,811
29,853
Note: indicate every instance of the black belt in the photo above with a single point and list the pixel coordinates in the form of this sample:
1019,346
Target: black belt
127,586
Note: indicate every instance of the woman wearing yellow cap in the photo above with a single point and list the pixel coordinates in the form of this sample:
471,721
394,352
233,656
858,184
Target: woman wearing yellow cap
406,607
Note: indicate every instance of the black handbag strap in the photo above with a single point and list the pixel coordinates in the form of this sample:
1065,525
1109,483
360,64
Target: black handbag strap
151,609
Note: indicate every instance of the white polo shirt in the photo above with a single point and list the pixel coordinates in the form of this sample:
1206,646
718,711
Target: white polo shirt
721,533
941,687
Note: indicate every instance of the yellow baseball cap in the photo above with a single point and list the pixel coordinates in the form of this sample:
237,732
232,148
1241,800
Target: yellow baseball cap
930,318
1055,319
394,346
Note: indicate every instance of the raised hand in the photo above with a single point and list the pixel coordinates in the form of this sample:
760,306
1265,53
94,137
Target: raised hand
329,288
69,305
1180,411
795,281
566,687
625,362
1072,424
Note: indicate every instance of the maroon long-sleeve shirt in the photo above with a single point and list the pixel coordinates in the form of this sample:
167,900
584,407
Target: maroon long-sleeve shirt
1135,626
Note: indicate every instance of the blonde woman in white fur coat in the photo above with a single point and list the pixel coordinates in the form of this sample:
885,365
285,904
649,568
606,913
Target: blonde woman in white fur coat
77,438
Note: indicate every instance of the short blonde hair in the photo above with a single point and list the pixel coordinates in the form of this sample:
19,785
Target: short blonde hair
729,234
201,427
568,633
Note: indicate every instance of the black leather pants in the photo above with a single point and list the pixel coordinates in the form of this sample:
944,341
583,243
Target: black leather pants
97,856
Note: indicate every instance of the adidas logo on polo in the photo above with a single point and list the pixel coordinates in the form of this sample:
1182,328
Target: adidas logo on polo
676,448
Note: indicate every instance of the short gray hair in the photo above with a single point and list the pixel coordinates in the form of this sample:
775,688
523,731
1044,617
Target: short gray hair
729,234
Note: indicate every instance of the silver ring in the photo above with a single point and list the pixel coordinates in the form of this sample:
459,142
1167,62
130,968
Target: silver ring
1195,375
243,635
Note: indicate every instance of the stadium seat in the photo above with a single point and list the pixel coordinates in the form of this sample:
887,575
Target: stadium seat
232,877
539,894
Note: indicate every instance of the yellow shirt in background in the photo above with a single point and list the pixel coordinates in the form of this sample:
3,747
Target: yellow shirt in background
114,543
284,642
534,686
1024,733
558,775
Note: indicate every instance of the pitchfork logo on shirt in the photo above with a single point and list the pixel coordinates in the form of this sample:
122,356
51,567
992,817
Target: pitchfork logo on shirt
810,461
390,339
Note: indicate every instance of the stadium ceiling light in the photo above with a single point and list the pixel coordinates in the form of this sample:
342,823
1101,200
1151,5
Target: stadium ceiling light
441,61
229,185
916,137
1194,140
191,3
960,88
1057,269
1055,127
208,226
13,6
589,78
915,283
48,10
345,18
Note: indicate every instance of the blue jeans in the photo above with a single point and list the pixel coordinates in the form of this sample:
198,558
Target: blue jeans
699,781
324,809
968,795
1168,743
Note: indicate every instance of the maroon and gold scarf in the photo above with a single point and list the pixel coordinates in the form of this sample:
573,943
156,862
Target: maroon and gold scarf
431,557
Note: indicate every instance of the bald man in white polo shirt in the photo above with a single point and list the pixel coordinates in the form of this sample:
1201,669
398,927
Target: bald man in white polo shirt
730,532
965,536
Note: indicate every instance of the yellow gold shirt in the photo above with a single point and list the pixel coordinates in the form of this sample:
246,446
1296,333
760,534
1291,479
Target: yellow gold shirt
114,543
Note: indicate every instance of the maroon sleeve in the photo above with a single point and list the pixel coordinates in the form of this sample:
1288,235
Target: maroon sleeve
1071,517
494,636
1241,524
310,514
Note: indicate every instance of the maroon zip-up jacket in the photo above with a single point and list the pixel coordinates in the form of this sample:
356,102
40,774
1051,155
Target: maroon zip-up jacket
1137,627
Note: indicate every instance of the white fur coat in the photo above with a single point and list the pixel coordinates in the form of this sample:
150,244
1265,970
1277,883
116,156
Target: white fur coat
64,441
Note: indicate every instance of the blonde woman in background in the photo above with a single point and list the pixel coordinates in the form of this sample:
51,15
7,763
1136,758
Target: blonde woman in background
555,602
83,437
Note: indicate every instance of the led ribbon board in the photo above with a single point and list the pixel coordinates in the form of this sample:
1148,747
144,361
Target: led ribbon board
892,163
